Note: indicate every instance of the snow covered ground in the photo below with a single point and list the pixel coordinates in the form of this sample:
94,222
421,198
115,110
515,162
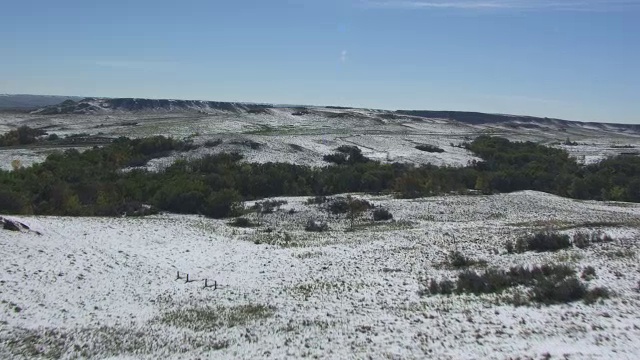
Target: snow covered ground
108,287
304,137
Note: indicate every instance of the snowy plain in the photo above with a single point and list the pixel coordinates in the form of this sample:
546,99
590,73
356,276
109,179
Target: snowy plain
108,287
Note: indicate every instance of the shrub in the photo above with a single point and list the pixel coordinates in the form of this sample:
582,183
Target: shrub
242,223
212,143
346,155
553,292
550,284
317,200
544,241
444,287
316,226
509,246
581,240
344,205
495,280
491,281
382,214
588,273
600,237
338,158
222,204
268,206
458,260
248,143
338,206
596,293
429,148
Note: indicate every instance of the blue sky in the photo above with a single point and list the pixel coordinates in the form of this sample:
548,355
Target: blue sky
574,59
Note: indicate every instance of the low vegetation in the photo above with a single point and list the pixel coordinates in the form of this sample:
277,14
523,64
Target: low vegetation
242,223
458,260
268,206
215,317
316,226
551,241
543,241
548,284
429,148
382,214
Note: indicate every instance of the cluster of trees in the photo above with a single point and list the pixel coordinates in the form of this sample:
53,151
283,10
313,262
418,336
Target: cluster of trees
23,135
93,183
346,154
511,166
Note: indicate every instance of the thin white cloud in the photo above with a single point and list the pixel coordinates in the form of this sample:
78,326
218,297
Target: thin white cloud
134,64
526,5
343,56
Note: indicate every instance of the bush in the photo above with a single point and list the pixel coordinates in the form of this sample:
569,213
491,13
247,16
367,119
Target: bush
316,226
221,204
491,281
510,247
596,293
212,143
495,280
338,206
268,206
382,215
588,273
550,284
346,155
242,223
544,241
317,200
429,148
344,205
338,158
444,287
581,240
458,260
563,291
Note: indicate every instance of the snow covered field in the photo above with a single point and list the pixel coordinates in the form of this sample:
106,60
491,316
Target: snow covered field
108,287
288,135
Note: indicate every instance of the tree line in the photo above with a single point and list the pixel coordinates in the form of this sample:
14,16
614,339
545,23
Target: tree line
93,183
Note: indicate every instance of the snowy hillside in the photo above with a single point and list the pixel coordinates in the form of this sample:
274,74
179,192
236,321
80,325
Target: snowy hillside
119,105
303,135
108,287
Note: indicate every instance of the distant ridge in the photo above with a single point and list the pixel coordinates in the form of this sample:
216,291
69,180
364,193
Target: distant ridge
98,105
477,118
31,102
118,105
